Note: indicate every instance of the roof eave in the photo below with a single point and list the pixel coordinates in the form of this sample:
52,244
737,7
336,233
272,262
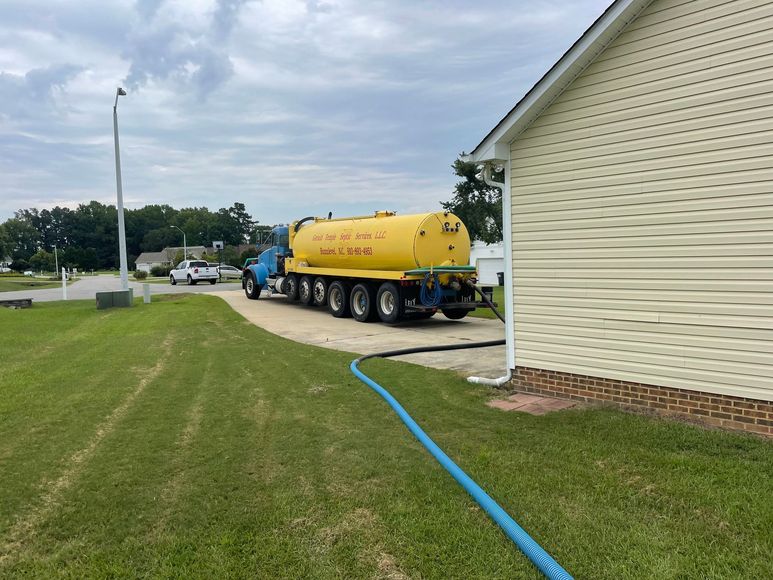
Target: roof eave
496,145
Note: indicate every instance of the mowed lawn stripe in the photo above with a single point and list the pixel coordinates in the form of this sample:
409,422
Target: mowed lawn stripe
252,456
25,528
55,407
153,422
125,492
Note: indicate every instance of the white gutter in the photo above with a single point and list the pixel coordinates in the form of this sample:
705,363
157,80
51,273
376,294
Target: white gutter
507,235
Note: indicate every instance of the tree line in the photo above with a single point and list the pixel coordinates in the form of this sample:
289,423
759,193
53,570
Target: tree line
87,237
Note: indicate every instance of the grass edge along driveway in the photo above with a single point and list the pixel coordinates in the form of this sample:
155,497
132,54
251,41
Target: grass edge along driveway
176,439
19,283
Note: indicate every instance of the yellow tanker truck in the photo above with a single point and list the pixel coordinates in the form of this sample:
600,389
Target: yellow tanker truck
384,266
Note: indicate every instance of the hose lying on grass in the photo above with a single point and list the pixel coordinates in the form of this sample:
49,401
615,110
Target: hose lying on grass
539,557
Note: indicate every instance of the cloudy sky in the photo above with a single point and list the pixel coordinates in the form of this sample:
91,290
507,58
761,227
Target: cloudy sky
292,107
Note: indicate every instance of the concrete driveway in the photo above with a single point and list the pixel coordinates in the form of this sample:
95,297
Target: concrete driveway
316,326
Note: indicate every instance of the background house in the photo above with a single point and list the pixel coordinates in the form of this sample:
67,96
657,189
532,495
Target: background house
147,260
639,175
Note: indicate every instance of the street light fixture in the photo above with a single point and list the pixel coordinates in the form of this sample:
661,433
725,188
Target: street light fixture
121,226
185,243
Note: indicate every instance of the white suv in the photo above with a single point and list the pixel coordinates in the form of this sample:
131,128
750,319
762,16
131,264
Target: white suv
193,271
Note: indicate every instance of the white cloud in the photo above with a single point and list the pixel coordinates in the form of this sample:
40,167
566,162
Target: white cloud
293,107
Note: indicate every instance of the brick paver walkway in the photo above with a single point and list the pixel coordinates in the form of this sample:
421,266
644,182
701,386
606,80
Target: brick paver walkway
533,404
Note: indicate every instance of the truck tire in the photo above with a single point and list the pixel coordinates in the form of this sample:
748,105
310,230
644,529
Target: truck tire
212,281
290,287
455,313
388,303
172,281
305,290
338,299
319,291
191,281
363,303
251,287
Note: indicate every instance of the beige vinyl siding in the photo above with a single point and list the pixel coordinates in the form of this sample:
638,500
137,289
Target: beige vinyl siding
643,207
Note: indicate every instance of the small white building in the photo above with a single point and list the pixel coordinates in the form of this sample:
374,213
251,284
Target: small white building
639,214
489,259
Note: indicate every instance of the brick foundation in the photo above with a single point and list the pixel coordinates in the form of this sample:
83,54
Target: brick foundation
737,413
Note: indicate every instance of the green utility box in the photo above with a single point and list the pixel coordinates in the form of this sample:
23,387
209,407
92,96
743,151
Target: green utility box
115,299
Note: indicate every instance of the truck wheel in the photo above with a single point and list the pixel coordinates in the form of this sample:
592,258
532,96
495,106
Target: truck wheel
455,313
305,291
363,303
172,281
388,303
191,281
252,288
319,291
212,281
290,287
338,299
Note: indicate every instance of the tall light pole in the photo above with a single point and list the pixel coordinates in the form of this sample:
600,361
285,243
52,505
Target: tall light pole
185,243
121,227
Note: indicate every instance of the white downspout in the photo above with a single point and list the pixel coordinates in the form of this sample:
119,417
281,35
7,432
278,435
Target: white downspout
507,239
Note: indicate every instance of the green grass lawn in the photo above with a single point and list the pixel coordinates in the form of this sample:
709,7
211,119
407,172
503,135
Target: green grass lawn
499,300
12,284
177,440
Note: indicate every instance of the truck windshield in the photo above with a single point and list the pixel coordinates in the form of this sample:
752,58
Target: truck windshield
284,240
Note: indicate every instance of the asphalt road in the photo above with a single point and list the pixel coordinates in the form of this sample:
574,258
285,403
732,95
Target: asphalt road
87,287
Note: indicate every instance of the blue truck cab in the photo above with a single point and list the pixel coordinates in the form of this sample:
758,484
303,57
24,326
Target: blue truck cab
261,271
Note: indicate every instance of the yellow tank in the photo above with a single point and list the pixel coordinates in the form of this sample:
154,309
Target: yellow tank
384,241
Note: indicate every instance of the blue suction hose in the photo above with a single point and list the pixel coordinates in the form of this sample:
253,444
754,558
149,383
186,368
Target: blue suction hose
539,557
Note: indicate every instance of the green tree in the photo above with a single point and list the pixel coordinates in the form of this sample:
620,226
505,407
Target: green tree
83,258
151,219
95,225
23,237
5,244
43,261
251,252
197,223
477,204
178,257
89,233
20,264
232,225
260,234
158,239
230,256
